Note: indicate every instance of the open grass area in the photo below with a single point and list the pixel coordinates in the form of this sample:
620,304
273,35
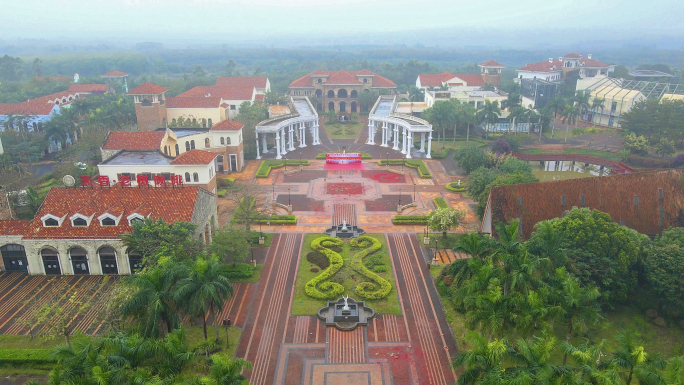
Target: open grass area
343,131
268,237
460,142
305,305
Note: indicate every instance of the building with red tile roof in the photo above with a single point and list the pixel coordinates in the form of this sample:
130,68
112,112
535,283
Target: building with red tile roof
134,140
338,90
647,202
148,88
194,157
77,230
114,74
466,87
227,125
557,69
97,89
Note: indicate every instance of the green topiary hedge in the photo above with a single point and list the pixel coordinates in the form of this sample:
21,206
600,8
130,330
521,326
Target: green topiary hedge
26,356
277,220
440,154
454,187
266,166
440,203
423,171
380,287
330,290
364,155
241,270
410,219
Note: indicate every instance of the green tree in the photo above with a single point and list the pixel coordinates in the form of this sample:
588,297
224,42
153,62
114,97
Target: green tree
632,359
155,239
226,371
250,115
444,219
204,289
570,115
665,147
332,116
37,67
198,71
470,157
489,113
483,363
230,245
597,104
663,263
441,115
10,68
635,144
589,367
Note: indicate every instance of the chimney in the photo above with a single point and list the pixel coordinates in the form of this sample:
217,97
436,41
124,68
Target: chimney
560,58
589,56
550,60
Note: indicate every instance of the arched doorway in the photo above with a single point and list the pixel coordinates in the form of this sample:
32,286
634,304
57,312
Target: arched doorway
108,260
353,106
135,261
331,106
342,93
319,93
343,107
50,259
79,261
14,257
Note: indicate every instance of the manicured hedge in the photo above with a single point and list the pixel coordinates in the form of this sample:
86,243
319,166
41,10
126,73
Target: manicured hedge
369,290
454,187
330,290
364,155
410,219
266,166
277,220
25,356
440,203
240,270
419,164
224,182
440,154
221,193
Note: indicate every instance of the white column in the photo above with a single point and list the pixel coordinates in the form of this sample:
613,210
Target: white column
422,142
429,146
409,143
277,145
264,148
291,137
317,130
283,143
303,135
396,138
382,137
257,145
403,140
371,139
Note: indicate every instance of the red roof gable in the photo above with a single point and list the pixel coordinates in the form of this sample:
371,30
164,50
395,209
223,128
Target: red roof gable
343,78
491,63
147,89
194,157
436,80
544,66
260,97
114,74
39,106
226,93
171,204
91,88
134,140
242,81
227,125
14,227
593,63
193,102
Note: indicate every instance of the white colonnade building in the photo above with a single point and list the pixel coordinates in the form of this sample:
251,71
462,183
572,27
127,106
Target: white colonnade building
398,130
289,128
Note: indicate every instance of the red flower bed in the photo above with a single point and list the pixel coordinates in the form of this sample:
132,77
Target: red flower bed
344,188
384,176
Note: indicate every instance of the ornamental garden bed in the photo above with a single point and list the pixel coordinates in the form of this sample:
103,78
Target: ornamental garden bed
388,202
344,188
383,176
345,280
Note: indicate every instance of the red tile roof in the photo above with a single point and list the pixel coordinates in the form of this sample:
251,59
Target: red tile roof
193,102
436,80
343,78
194,157
147,89
611,194
14,227
170,204
259,97
39,106
134,140
225,93
90,88
114,74
227,125
593,63
546,66
572,56
491,63
242,81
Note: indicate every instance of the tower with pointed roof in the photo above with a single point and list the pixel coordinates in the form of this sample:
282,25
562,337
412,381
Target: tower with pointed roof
150,106
491,72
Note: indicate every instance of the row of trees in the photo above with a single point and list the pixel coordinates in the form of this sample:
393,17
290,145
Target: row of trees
656,119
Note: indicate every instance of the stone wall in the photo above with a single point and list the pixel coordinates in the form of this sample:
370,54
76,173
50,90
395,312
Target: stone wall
150,117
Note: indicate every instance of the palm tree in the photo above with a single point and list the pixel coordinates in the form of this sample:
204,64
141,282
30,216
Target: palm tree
205,289
416,94
590,368
596,104
441,115
226,371
483,363
533,362
489,113
579,305
674,371
569,114
152,302
633,358
581,100
516,113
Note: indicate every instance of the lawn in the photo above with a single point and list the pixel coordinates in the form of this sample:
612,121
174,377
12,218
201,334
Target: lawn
460,142
343,131
305,305
614,156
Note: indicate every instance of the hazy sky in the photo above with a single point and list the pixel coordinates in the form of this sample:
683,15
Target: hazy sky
233,21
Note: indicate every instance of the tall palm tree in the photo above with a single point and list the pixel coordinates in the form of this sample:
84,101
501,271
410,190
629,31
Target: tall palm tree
226,371
633,359
597,103
569,114
533,363
152,302
516,113
581,100
590,367
205,289
579,305
489,113
483,363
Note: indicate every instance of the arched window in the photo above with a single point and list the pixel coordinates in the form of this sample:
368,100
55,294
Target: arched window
206,143
319,93
331,106
187,177
343,107
107,257
79,260
342,93
204,123
228,140
135,261
210,125
187,146
331,94
223,141
320,80
195,177
50,259
353,106
177,150
354,94
14,257
192,144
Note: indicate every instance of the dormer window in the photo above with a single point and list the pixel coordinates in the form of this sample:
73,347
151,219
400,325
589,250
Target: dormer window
108,220
79,222
50,222
136,218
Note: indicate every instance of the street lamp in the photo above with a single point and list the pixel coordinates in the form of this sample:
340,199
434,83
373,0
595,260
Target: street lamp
252,248
414,191
288,197
274,190
387,159
285,161
399,197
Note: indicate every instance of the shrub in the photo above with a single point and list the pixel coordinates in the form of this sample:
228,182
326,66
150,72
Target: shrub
678,160
501,146
221,193
665,147
330,290
380,269
241,270
644,161
264,219
266,166
410,219
364,155
454,187
380,287
439,154
224,182
25,356
423,171
470,158
440,203
318,259
636,144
